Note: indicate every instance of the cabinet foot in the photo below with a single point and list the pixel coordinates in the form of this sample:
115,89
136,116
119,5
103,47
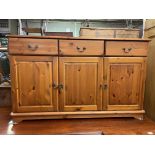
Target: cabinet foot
16,121
141,118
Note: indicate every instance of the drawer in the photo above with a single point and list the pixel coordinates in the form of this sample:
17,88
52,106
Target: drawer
33,46
81,47
126,48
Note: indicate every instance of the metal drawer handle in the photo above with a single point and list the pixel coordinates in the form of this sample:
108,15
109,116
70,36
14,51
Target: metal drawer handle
81,50
33,48
126,50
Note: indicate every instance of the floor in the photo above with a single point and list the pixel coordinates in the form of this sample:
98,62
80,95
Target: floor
102,126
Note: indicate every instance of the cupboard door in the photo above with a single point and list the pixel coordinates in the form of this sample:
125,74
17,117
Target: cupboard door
32,78
124,80
81,79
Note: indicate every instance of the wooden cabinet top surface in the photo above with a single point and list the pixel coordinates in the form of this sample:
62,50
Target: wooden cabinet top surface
76,38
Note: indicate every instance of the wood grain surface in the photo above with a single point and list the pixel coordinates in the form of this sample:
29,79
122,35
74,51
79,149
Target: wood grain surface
33,46
124,78
32,83
126,48
81,47
81,79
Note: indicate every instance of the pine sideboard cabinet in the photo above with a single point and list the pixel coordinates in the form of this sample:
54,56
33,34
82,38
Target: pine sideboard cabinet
60,77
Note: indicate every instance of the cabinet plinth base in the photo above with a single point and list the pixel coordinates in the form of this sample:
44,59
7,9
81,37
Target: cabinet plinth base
18,117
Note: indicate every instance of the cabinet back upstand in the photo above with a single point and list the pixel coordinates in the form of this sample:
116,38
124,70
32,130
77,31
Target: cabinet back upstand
54,78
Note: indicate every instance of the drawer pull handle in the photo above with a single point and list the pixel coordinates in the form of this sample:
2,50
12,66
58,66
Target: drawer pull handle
33,48
126,50
80,50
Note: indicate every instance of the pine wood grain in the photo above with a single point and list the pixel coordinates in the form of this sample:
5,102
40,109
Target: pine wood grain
18,117
125,80
81,47
82,80
70,85
33,46
32,83
131,48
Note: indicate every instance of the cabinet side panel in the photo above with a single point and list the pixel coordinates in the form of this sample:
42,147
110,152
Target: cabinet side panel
14,84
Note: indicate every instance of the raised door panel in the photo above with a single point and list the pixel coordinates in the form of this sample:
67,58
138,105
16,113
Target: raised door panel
124,81
81,79
32,79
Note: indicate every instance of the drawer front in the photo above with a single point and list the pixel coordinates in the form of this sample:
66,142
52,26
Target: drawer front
33,46
81,47
126,48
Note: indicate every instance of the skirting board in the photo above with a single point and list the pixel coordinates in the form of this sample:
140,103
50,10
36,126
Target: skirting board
18,117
